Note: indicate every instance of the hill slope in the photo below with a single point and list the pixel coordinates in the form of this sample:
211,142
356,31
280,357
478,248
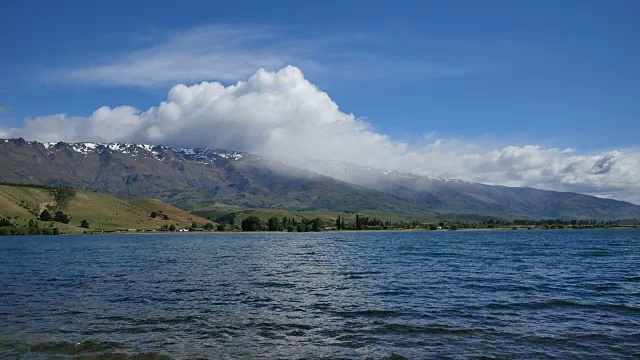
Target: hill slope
102,211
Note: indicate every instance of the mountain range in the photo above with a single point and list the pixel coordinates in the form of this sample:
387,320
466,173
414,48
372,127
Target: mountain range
203,177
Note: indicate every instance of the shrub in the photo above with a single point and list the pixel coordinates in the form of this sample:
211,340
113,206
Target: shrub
45,215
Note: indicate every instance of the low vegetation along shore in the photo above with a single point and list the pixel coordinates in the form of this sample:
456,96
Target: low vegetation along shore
41,210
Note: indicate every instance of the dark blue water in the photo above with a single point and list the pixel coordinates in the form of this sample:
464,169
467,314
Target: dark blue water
514,294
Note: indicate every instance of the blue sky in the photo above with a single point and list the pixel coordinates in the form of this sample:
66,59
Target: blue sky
496,83
549,71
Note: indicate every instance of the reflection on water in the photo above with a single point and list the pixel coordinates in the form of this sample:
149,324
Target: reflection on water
338,295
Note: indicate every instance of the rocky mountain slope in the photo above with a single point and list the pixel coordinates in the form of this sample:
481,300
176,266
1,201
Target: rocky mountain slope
203,177
451,196
186,177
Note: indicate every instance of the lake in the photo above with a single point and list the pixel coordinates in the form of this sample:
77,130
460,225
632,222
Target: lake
514,294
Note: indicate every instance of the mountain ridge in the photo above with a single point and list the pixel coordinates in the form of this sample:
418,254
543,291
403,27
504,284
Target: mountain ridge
522,200
187,177
200,177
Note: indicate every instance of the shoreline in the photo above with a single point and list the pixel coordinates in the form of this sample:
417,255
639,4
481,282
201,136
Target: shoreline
150,232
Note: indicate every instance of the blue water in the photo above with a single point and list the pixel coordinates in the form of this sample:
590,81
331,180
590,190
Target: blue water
513,294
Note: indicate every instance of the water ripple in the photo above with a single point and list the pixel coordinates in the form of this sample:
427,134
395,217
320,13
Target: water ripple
534,294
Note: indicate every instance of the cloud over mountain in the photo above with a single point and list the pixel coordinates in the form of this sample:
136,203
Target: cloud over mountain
284,116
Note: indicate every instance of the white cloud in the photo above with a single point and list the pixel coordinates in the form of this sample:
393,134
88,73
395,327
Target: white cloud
207,52
284,116
232,52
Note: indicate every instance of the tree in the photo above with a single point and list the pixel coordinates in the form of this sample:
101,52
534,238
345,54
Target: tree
252,223
61,217
274,224
172,228
316,225
220,227
84,224
45,215
226,219
154,214
338,227
208,226
34,229
433,227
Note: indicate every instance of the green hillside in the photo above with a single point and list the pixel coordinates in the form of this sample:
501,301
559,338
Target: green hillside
103,212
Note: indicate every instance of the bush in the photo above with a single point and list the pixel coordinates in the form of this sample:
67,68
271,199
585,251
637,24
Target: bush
84,224
45,215
61,217
5,222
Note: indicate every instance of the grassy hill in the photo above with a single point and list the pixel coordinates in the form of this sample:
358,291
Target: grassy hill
103,212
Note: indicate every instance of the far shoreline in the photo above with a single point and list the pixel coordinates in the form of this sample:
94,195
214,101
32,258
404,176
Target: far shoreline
151,232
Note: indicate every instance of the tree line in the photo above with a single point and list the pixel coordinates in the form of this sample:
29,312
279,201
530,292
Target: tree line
33,227
274,223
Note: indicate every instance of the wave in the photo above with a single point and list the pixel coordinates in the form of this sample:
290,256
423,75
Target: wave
64,347
274,284
367,313
561,303
402,329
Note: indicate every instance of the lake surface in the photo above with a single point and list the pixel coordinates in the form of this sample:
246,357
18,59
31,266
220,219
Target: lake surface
514,294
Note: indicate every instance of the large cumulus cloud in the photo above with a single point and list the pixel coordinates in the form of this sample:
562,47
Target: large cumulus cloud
284,116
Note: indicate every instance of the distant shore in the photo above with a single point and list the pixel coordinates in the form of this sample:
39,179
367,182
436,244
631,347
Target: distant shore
151,232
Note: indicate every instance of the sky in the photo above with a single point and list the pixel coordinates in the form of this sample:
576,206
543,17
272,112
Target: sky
542,94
